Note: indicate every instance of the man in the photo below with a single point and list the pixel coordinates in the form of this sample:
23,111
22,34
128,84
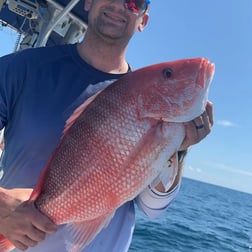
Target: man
35,101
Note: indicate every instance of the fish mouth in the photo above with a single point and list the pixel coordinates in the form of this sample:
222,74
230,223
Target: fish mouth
206,73
210,70
209,73
203,80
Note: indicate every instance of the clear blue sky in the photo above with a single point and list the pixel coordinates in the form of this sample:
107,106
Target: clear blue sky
222,32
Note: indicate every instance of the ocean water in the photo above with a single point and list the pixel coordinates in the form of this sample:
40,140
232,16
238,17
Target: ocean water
203,218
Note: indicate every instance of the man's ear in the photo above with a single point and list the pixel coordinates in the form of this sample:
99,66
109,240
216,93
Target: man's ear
144,22
87,5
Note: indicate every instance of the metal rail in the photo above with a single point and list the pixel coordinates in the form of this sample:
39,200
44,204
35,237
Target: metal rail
47,28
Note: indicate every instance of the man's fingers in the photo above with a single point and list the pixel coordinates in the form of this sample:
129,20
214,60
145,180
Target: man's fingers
36,235
32,228
23,224
42,222
209,110
19,245
27,241
199,128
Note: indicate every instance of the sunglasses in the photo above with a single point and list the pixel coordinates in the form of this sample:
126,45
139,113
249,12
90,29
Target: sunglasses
137,7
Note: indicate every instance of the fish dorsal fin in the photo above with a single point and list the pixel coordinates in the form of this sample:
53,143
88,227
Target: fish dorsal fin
77,112
79,234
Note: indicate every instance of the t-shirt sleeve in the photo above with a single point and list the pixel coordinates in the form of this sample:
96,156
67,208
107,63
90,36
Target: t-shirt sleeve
3,109
153,203
10,70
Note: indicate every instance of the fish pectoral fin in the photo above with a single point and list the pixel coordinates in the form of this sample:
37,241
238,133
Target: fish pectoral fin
80,234
168,174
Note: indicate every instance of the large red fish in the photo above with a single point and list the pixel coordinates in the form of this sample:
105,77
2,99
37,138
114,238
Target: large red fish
117,143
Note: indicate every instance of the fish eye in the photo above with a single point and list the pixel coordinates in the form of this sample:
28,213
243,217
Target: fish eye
168,72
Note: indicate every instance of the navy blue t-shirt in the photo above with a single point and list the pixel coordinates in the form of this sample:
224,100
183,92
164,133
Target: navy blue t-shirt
39,89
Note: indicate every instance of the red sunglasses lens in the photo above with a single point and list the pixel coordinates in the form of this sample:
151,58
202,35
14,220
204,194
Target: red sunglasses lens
136,6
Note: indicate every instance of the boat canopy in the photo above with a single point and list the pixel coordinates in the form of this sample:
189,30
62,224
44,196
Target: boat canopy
44,22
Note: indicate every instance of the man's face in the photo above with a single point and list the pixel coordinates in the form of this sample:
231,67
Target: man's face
111,19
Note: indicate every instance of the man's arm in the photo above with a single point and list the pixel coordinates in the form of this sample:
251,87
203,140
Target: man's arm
154,200
22,224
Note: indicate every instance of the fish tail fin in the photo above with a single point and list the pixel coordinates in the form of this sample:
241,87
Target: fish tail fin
5,244
80,234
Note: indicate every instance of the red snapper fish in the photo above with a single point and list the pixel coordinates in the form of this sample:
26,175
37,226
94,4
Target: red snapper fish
116,143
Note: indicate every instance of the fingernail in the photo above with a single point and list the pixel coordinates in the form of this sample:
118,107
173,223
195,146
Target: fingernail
52,228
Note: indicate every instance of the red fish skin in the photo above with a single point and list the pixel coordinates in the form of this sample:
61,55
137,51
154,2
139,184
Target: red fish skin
118,143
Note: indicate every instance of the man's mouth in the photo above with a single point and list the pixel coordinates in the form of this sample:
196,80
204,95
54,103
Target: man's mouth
114,17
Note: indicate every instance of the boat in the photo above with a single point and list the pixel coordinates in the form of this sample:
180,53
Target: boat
44,22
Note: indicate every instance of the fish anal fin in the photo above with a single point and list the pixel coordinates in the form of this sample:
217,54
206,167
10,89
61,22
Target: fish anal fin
5,244
80,234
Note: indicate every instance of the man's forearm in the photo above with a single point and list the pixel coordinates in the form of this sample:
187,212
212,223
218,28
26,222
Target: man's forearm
11,199
6,203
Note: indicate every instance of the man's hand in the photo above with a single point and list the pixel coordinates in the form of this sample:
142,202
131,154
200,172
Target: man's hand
21,223
195,131
198,128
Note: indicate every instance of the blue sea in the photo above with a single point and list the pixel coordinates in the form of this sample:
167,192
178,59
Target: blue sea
203,218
